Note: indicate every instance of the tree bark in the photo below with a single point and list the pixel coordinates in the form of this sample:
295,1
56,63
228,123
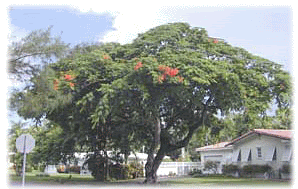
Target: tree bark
151,161
151,176
165,146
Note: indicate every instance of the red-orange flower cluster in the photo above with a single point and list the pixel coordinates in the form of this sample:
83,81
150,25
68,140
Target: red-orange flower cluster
56,84
68,77
139,65
106,57
172,72
71,84
180,79
161,78
215,41
168,71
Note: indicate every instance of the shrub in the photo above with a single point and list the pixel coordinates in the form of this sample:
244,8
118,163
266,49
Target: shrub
230,169
195,171
116,171
42,175
251,169
211,166
75,169
286,168
60,168
135,170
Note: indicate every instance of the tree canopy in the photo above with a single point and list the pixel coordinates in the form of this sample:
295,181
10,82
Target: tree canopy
156,91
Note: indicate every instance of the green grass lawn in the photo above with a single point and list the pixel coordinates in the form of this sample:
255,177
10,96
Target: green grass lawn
62,178
213,181
56,178
76,179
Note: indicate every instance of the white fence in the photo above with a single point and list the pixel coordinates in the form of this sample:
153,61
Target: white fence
177,168
165,168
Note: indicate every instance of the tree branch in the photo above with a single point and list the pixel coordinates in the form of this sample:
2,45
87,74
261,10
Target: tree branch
171,147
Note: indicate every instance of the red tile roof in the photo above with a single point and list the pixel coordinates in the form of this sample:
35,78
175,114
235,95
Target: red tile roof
286,134
283,134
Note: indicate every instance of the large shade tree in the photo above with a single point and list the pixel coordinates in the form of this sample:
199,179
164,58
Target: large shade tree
158,90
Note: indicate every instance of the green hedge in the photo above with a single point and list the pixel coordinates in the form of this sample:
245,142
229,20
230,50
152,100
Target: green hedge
251,169
229,169
246,170
286,168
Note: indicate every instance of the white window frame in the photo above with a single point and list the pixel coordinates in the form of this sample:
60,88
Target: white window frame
259,149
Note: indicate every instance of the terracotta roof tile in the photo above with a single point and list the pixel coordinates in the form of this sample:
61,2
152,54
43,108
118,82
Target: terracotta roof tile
283,134
286,134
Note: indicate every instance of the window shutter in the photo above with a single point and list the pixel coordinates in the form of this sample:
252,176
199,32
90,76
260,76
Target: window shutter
269,153
235,155
287,154
245,153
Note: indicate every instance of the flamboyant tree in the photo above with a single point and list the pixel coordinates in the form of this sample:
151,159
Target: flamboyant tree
156,91
185,77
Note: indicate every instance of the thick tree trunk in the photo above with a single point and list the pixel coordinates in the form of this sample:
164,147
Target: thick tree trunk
151,176
151,161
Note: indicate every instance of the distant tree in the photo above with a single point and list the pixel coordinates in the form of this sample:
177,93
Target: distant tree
32,53
50,146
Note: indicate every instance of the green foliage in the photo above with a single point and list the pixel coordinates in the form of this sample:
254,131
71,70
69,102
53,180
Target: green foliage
75,169
135,170
211,166
286,168
230,168
252,169
195,172
38,46
157,91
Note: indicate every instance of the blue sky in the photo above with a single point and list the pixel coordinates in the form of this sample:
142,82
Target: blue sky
75,26
264,31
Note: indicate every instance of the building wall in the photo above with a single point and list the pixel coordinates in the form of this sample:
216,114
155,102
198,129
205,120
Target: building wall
222,156
267,145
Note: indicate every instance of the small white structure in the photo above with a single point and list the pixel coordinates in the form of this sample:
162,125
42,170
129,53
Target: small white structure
50,169
259,146
177,168
166,168
220,153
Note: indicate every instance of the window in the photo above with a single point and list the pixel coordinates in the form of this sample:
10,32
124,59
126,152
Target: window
249,156
274,155
239,156
259,152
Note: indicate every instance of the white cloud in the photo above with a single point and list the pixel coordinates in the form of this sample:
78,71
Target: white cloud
16,33
133,18
128,23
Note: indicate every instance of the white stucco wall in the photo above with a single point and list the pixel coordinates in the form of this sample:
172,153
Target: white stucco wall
267,144
223,156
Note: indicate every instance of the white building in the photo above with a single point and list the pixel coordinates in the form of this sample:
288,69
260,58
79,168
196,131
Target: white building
219,153
259,146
